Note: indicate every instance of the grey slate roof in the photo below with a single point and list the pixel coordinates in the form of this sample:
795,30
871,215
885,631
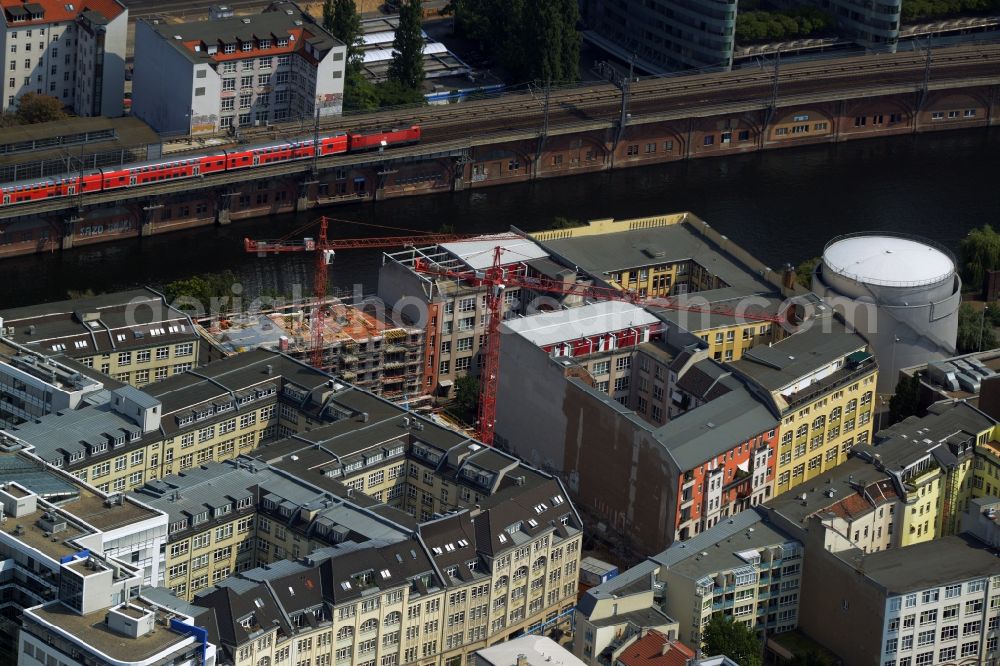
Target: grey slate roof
950,559
777,366
607,253
716,427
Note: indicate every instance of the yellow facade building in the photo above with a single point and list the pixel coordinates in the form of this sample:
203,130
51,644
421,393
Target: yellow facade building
679,256
822,383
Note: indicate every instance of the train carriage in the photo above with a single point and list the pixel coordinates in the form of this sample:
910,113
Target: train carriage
191,166
37,189
142,173
374,140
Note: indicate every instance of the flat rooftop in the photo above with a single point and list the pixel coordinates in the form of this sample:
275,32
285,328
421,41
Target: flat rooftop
537,650
580,322
950,559
606,253
699,556
777,366
106,641
76,136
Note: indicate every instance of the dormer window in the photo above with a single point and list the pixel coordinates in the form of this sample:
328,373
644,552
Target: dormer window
264,43
229,48
282,42
247,46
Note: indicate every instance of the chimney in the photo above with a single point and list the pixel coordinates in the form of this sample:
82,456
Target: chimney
665,648
522,660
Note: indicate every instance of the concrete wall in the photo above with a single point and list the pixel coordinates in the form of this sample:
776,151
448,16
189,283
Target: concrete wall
113,86
165,107
844,612
330,82
531,388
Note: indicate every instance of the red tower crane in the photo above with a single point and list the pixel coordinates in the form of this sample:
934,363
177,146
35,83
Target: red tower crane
497,278
494,279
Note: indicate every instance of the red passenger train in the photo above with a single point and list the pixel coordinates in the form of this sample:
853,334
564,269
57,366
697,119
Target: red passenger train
192,166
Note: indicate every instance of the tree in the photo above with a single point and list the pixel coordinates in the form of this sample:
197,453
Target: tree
732,639
810,658
467,395
341,18
905,401
407,65
565,223
543,41
975,329
37,108
804,272
977,253
569,51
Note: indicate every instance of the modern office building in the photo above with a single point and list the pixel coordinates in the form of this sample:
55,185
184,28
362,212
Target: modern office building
671,35
665,35
73,51
33,385
134,337
930,603
206,76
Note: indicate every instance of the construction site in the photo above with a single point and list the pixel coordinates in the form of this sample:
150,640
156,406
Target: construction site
356,346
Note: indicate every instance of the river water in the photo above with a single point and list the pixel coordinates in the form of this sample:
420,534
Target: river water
782,206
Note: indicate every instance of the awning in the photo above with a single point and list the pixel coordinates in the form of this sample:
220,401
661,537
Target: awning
445,383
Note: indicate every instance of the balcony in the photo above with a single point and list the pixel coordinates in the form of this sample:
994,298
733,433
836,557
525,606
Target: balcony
844,376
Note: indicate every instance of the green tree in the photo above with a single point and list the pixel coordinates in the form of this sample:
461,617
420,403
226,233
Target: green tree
978,252
804,272
565,223
407,65
37,108
569,52
393,93
360,94
975,330
810,658
905,402
543,41
467,395
732,639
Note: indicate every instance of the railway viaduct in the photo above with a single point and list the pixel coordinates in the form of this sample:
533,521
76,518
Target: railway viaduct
551,133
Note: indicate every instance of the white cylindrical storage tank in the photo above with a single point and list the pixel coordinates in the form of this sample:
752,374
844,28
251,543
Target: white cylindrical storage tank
900,292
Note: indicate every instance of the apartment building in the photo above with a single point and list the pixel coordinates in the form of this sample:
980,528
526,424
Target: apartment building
648,481
227,407
937,460
855,505
434,594
936,602
135,337
822,382
744,568
73,51
600,337
453,314
206,76
680,257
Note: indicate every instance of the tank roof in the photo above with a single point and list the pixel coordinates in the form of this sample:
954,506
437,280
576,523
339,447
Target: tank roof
888,260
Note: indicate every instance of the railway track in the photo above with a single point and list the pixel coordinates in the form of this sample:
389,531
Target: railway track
597,100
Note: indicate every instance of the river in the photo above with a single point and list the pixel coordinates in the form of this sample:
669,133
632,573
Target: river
782,206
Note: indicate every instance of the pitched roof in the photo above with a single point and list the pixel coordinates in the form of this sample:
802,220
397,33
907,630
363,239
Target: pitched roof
655,649
55,11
